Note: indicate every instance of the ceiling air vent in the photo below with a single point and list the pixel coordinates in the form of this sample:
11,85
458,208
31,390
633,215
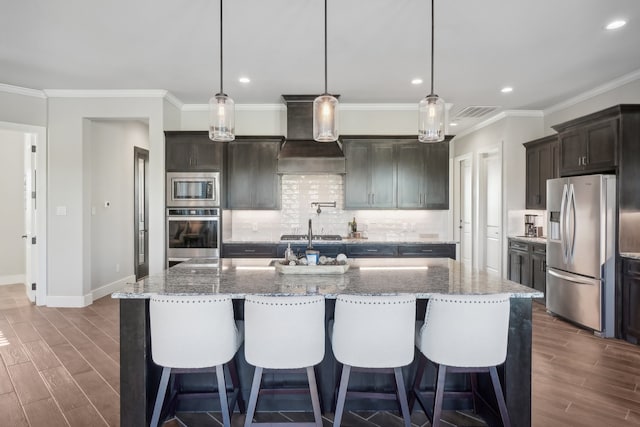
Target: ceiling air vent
475,111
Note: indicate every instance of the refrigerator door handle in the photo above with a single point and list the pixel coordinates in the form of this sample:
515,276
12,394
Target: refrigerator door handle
563,225
567,278
572,217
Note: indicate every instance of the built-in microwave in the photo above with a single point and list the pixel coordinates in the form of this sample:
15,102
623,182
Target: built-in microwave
188,189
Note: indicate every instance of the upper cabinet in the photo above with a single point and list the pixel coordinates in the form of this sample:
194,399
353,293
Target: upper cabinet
192,151
252,181
370,180
589,144
423,175
542,164
396,172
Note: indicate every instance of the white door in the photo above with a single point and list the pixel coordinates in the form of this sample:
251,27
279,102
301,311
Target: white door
30,205
466,213
492,218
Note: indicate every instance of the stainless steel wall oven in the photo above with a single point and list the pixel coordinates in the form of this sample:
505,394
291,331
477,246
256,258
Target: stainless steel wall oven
198,189
192,233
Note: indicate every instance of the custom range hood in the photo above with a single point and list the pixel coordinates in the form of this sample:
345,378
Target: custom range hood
300,154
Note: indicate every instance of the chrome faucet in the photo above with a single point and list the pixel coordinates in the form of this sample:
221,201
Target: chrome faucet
310,246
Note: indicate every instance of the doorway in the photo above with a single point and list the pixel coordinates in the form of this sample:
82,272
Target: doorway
490,211
34,147
463,207
141,212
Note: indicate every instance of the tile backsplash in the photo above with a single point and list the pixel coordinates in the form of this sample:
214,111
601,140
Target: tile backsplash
299,191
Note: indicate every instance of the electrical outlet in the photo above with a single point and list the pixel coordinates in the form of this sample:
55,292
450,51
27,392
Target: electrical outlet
254,226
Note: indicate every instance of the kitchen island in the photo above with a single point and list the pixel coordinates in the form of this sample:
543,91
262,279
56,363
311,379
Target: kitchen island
241,277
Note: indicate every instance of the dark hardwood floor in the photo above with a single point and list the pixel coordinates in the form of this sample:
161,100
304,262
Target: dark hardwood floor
60,367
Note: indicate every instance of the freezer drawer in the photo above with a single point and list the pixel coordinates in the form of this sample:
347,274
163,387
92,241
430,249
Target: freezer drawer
576,298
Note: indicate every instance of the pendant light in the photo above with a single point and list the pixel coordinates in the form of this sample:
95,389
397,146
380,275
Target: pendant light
221,108
431,109
325,107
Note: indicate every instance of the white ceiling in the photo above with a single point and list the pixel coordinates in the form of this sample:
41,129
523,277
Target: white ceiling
547,50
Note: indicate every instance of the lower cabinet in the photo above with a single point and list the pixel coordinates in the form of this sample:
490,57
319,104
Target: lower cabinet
365,250
249,250
631,300
299,249
427,251
528,264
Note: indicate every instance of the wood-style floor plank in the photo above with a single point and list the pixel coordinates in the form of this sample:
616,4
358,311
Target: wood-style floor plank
11,410
44,413
101,395
28,383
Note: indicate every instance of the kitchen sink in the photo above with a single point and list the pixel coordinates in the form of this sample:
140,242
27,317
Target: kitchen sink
304,237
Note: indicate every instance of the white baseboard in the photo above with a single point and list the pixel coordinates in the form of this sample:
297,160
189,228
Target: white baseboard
112,287
69,301
12,279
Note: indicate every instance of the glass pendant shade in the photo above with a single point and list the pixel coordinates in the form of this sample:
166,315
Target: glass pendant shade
431,118
222,125
325,118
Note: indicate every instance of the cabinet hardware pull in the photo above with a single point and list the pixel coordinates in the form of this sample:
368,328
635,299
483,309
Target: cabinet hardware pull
372,250
426,250
584,161
249,250
579,161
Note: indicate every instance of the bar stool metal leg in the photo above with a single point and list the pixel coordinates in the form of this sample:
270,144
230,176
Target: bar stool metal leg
342,395
162,390
222,392
439,398
402,397
506,422
315,399
253,397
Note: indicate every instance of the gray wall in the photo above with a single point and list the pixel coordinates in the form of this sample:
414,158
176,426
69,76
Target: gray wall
12,226
111,160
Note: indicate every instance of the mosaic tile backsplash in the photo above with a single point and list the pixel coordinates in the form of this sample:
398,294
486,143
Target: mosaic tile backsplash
299,191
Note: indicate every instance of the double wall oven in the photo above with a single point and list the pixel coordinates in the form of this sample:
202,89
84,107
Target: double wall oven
193,216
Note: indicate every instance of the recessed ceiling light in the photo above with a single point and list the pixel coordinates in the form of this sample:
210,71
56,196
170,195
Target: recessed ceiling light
614,25
244,80
416,81
453,124
506,89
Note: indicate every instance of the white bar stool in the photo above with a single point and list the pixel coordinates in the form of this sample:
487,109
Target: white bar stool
374,332
463,333
284,333
195,334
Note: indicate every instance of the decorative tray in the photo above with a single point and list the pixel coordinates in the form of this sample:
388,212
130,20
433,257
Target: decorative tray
312,269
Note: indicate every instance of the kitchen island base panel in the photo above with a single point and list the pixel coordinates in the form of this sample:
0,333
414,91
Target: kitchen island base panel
140,376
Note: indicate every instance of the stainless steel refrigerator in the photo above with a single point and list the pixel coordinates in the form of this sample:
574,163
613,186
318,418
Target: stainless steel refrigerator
581,250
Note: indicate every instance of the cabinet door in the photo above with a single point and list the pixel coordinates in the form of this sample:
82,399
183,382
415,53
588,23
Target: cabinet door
206,155
572,152
410,176
538,272
371,251
266,181
383,176
357,189
427,251
436,176
240,167
192,151
631,301
518,267
533,195
247,250
601,141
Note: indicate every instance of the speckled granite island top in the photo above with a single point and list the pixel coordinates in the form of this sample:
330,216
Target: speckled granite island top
381,276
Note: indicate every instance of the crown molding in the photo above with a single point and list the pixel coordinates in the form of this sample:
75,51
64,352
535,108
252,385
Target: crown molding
501,115
621,81
239,107
105,93
18,90
173,100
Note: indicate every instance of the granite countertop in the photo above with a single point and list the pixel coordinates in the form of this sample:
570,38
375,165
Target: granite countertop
541,240
344,240
632,255
382,276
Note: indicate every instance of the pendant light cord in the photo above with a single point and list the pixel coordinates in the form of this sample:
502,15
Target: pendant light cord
325,46
432,44
221,89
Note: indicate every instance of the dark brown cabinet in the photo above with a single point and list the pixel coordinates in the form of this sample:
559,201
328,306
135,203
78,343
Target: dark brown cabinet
542,164
370,180
423,175
192,151
588,145
252,181
396,172
519,268
527,264
631,300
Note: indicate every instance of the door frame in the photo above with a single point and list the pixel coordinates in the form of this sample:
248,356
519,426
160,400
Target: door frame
140,153
37,135
457,212
481,218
